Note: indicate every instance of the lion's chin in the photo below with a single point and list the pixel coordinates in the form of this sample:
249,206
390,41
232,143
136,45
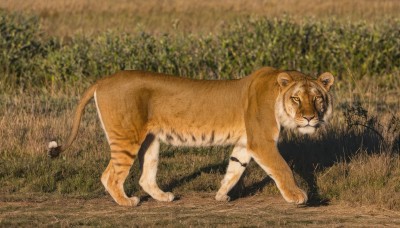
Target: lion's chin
307,130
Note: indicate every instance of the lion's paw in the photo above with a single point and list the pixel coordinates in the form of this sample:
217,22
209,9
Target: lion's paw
129,202
296,196
169,197
222,197
164,197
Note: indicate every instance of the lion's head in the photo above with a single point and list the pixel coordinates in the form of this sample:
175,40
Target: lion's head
304,103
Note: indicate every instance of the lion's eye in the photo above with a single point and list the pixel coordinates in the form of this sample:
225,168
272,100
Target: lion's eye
295,99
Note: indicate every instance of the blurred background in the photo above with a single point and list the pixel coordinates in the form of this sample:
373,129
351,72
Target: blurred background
68,17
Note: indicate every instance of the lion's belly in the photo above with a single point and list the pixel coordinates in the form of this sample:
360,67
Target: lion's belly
196,139
207,127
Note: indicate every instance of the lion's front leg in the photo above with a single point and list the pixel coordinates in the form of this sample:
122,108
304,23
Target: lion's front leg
276,167
238,161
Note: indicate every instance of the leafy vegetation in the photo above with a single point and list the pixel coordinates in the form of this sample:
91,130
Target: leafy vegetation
30,60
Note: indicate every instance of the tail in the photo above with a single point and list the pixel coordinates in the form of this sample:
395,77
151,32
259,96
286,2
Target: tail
54,149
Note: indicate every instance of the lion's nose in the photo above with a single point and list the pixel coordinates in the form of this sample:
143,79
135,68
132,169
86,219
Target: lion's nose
308,117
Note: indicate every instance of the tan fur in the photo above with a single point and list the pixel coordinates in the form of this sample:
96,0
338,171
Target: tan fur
138,109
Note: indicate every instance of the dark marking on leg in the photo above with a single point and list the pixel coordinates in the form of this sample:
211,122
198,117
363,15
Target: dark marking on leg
229,136
203,137
122,164
237,160
193,138
117,134
212,137
125,152
144,147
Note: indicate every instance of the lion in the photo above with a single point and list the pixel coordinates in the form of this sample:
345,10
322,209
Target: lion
138,110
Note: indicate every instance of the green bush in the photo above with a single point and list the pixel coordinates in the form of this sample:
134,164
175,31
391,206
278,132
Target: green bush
22,49
29,59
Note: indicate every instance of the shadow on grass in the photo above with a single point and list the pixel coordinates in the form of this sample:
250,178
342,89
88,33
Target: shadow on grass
306,156
216,168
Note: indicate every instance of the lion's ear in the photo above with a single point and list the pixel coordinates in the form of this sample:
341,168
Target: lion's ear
326,80
284,79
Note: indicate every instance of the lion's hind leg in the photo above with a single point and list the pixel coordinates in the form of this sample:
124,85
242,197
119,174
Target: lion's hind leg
123,154
237,164
106,175
148,156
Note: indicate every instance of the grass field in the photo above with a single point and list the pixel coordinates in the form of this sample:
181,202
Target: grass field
66,18
190,210
354,164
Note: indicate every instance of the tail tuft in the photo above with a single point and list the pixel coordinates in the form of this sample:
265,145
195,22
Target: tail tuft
54,149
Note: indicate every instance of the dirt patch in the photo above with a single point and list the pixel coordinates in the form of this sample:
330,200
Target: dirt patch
191,209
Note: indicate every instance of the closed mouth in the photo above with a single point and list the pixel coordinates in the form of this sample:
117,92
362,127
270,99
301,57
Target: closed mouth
307,129
306,126
317,125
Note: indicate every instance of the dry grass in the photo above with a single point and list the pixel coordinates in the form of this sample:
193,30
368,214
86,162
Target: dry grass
198,210
355,187
66,18
348,164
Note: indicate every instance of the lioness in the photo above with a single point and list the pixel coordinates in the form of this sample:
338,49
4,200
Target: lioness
139,109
